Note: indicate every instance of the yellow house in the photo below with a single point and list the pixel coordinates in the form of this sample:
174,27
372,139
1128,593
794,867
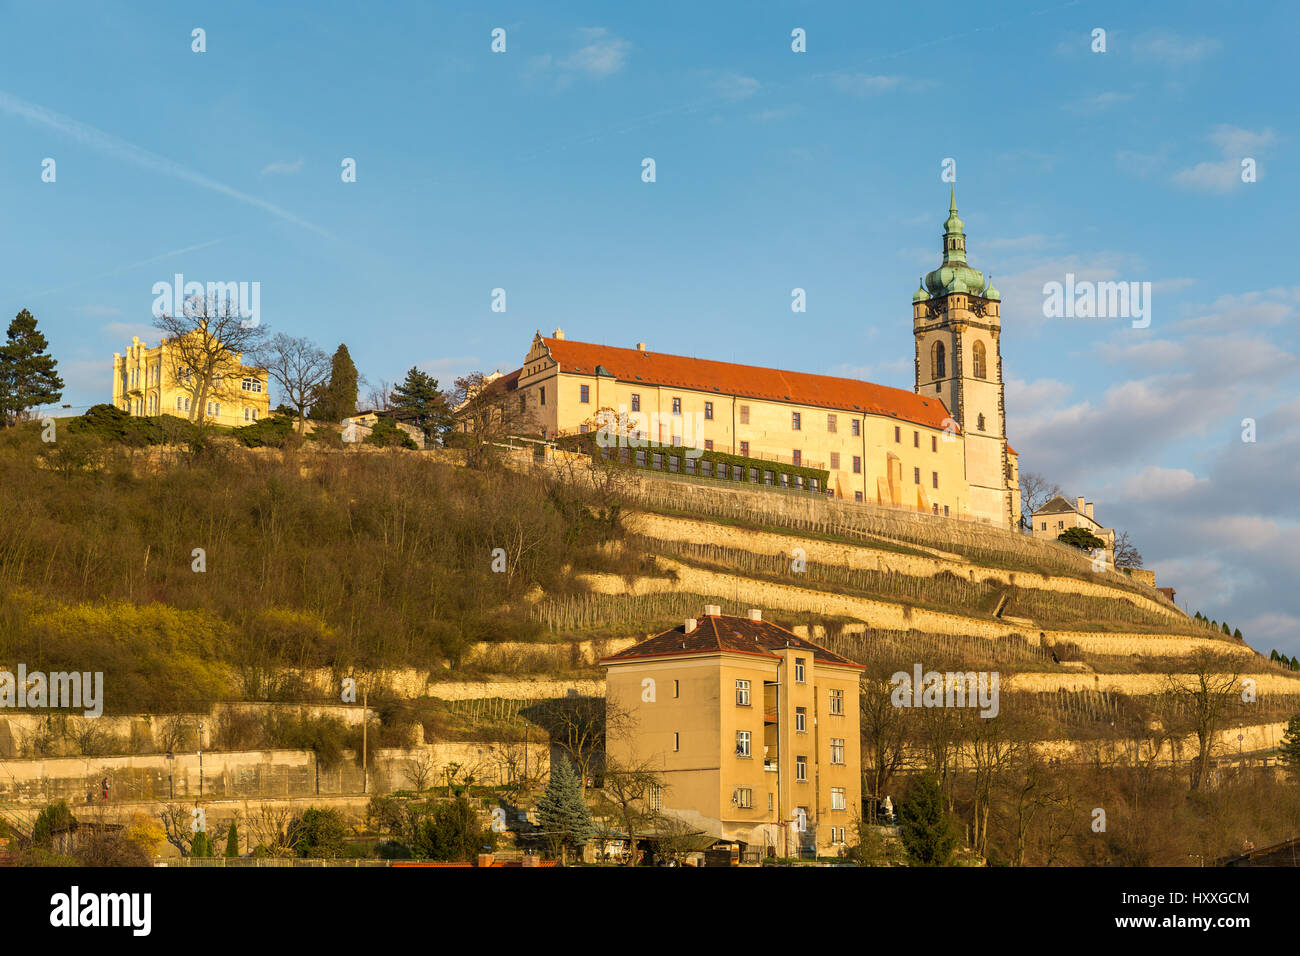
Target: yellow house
940,448
151,381
753,730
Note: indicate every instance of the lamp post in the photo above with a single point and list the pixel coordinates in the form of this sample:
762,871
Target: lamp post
200,758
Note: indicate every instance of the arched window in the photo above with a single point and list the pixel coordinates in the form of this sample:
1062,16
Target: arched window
981,366
938,363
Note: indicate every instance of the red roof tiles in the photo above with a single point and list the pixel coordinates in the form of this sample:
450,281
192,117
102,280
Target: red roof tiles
737,635
748,381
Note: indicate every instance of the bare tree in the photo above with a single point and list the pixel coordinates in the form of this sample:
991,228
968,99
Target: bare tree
488,412
206,345
629,786
1126,553
885,733
676,839
1206,692
300,368
378,397
177,821
420,770
1035,491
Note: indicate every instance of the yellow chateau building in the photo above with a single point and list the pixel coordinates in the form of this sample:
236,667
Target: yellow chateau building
941,448
152,381
753,731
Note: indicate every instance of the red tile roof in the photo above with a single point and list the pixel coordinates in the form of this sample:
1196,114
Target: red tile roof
738,635
748,381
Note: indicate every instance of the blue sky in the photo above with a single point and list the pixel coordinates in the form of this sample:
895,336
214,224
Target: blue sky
775,170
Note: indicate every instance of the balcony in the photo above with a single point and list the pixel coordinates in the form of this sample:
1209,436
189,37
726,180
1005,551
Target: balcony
769,766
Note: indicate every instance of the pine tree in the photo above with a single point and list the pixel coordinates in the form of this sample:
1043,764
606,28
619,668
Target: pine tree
338,399
418,401
28,375
1236,633
201,845
1273,655
927,828
232,840
1290,748
562,813
1226,632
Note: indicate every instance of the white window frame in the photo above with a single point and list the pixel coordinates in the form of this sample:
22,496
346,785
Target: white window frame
743,748
742,692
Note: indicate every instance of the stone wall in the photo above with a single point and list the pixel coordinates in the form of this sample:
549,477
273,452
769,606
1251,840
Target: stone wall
253,774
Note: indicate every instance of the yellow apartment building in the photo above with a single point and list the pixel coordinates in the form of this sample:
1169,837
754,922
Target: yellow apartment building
151,381
940,448
754,730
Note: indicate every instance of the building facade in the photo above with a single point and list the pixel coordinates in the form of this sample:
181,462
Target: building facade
940,448
151,381
752,729
1057,516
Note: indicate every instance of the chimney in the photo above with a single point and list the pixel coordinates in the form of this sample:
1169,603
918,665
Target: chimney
640,347
484,859
558,334
690,625
1087,509
712,610
1079,506
755,614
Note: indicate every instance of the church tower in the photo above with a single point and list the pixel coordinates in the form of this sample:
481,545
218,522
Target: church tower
957,326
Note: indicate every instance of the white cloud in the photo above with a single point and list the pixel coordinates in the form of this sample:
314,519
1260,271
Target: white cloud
282,168
1173,50
1100,102
1154,483
1224,174
602,54
733,86
866,84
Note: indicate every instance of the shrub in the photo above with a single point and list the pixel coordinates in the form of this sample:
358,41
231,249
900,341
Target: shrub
386,434
319,833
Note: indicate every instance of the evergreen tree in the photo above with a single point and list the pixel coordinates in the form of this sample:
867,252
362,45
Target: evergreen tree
1081,538
562,814
1236,633
452,833
338,399
1273,655
201,845
1290,748
28,375
232,840
54,817
417,401
1226,632
927,828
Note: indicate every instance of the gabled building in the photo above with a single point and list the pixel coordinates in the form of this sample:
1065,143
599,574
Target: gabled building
753,730
1057,516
